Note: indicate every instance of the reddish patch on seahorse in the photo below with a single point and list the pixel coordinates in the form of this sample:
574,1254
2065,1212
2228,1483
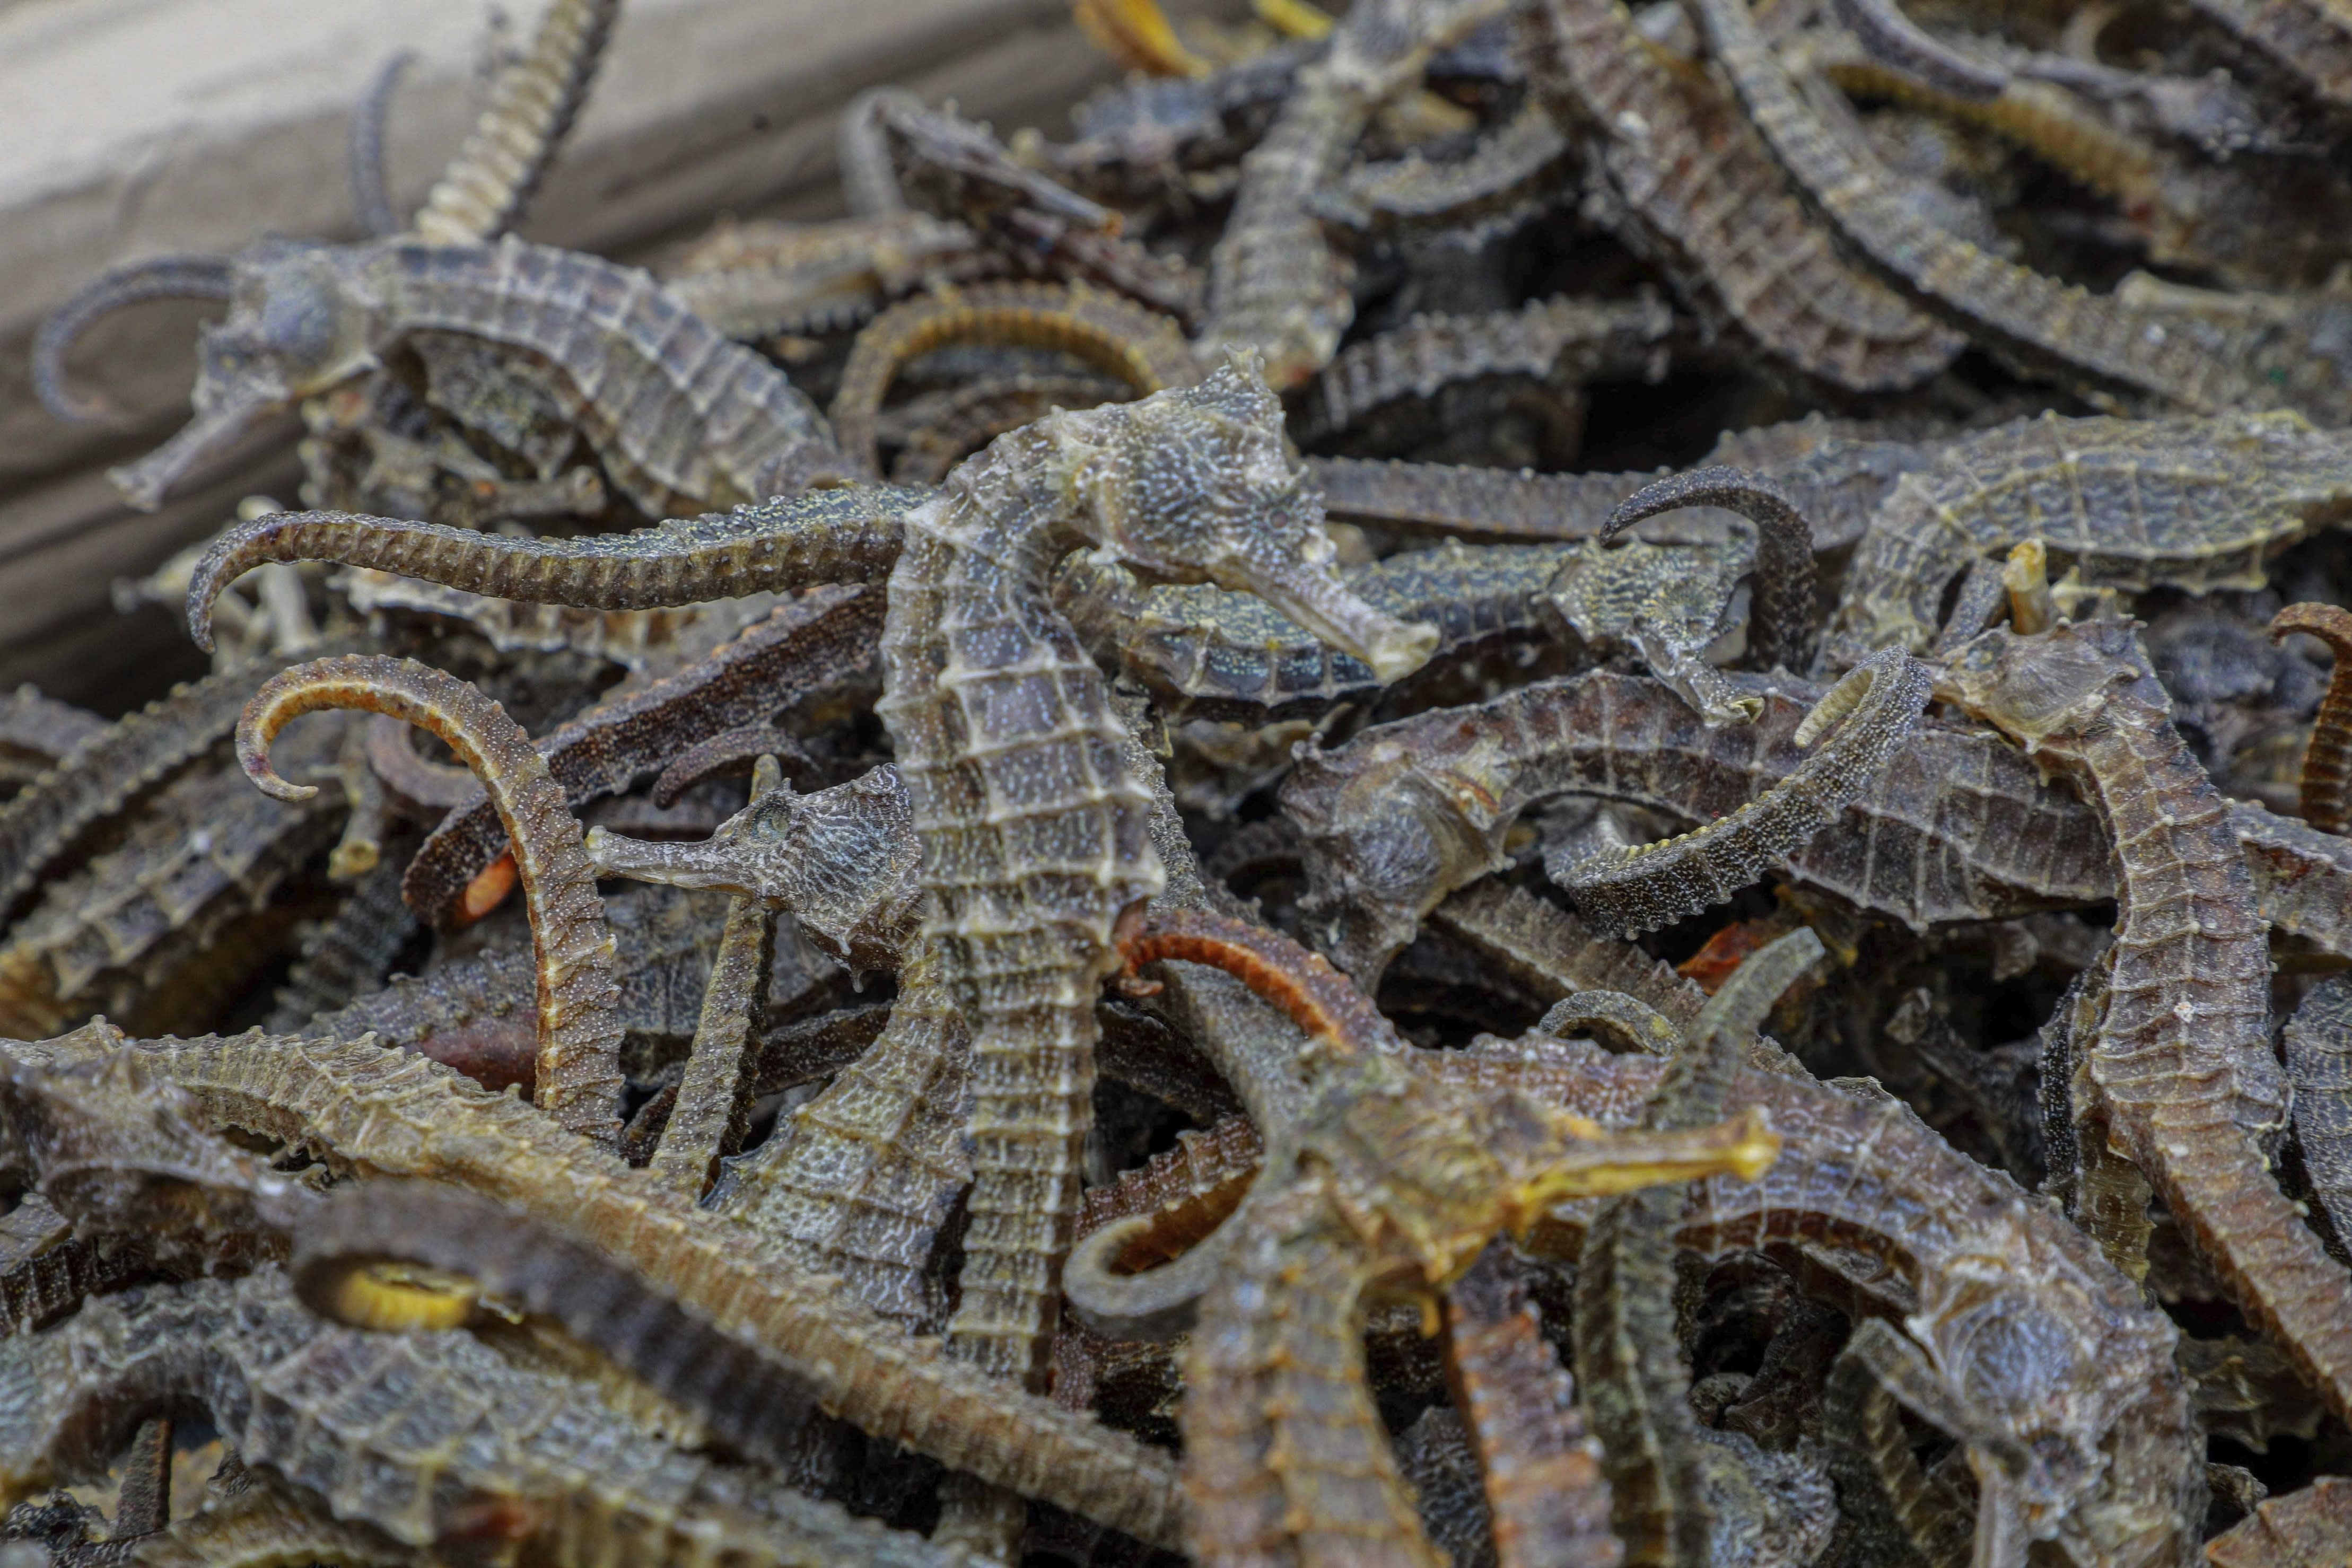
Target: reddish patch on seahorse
1726,951
1315,996
488,889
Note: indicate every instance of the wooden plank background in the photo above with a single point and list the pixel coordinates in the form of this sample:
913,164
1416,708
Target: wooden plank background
140,127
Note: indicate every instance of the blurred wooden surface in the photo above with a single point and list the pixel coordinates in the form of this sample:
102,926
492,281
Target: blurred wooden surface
136,127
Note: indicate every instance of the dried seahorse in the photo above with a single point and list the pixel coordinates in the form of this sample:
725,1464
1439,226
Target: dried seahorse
2083,338
2044,1347
2194,504
432,1438
130,755
754,280
847,534
1386,1184
1105,331
1275,284
386,1113
801,647
1695,190
741,1396
1667,1485
842,861
858,1180
1208,653
713,1107
483,192
1955,827
679,414
2327,760
1780,626
578,1081
1564,340
46,1270
1542,1471
163,925
2181,1060
1651,885
1032,834
2191,209
1511,172
936,431
351,955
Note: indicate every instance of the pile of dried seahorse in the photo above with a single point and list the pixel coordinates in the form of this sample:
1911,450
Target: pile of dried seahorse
1278,948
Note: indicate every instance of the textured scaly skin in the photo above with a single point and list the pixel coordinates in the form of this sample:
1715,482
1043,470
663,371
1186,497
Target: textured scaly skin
1837,474
682,417
2192,211
2181,1060
2319,1066
1494,504
2303,877
387,1113
47,1272
730,1388
800,648
1274,282
754,280
1651,885
2012,1304
1287,1459
2195,504
2327,759
261,1523
860,1178
429,1438
1209,653
1512,171
131,754
1545,1491
1698,192
37,731
1781,622
578,1078
944,428
1033,832
1549,948
1114,335
1959,827
844,535
713,1108
1033,843
2080,336
1564,339
483,192
1663,1480
1385,1183
2306,1528
165,926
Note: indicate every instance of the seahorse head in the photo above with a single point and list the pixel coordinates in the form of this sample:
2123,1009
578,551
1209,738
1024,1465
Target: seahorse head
294,329
2042,687
1200,487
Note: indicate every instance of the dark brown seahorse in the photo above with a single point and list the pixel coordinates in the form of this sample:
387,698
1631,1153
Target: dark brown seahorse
578,1077
681,416
2181,1061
